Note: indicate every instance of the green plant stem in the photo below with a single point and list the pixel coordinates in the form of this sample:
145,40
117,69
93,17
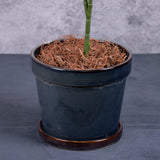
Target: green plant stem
85,6
88,11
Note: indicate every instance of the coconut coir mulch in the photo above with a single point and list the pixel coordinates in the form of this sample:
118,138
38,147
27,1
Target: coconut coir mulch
67,53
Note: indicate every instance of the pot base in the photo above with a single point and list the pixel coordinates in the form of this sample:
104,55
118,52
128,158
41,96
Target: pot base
80,145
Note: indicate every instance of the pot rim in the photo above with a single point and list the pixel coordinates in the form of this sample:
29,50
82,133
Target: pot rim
80,71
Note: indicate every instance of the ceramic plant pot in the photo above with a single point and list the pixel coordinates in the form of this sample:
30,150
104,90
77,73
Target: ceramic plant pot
80,109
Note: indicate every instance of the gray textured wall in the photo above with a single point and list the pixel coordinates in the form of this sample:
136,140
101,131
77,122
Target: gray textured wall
26,23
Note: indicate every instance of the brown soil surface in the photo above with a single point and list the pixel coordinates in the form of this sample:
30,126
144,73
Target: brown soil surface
68,54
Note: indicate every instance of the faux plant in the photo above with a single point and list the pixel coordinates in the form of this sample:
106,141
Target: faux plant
88,12
67,81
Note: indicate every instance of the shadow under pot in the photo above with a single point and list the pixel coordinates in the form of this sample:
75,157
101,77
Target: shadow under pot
80,109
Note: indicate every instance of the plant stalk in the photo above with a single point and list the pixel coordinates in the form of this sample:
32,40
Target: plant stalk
88,11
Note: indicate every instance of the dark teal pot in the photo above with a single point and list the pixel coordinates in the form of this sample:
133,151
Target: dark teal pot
80,105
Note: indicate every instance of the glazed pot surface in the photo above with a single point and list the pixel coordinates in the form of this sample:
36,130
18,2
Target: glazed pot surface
80,105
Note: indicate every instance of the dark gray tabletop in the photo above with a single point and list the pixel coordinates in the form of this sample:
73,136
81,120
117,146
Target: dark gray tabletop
20,113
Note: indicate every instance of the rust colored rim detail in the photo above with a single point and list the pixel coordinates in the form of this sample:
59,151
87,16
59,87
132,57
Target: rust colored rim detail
80,145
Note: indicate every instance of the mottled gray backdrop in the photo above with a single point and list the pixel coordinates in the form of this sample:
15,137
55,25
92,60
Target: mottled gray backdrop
132,23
